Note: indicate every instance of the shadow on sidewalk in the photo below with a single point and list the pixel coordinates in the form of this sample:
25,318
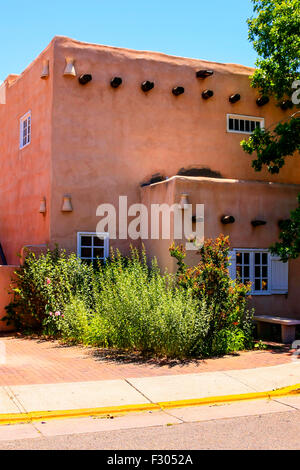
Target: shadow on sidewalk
126,357
118,356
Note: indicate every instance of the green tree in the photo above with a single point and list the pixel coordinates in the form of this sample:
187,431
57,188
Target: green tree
275,34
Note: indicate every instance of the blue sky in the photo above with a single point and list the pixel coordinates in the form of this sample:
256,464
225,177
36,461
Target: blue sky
213,30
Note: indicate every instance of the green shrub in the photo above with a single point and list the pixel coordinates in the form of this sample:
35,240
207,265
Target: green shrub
73,324
46,284
231,325
130,305
138,308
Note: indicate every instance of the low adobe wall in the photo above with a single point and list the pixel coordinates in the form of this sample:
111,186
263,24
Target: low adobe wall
6,275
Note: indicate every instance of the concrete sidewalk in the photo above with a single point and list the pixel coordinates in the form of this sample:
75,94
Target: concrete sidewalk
142,393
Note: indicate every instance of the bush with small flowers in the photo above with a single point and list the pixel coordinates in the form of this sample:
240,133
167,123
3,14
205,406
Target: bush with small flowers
128,303
45,284
231,324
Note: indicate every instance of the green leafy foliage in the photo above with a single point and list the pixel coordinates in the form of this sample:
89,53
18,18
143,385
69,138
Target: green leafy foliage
74,323
272,147
289,246
138,308
128,303
230,326
45,284
274,32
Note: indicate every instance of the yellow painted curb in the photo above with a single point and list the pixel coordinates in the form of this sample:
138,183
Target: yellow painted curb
14,418
285,391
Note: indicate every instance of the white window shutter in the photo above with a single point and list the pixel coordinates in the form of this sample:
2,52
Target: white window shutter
279,276
232,267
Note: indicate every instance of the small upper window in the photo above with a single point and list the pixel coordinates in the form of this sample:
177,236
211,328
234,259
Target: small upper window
243,124
25,130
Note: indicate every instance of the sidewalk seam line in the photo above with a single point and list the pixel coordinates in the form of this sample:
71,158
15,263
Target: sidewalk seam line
167,412
141,393
281,403
240,381
14,399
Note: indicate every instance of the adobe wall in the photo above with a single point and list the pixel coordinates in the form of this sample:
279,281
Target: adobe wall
25,173
107,141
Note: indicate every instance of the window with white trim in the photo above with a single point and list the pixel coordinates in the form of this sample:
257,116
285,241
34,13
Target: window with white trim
92,246
267,273
243,124
25,130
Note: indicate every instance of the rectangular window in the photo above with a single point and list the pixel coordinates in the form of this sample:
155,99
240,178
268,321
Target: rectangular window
266,272
243,124
254,267
25,130
92,246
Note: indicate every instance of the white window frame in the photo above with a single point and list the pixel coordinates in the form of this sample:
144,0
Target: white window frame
247,118
104,236
23,119
252,252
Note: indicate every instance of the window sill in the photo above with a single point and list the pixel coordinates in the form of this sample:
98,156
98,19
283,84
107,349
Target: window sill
25,146
261,293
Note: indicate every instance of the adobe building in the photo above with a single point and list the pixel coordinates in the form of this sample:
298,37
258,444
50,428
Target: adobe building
85,124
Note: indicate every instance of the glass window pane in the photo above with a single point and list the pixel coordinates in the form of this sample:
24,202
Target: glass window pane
246,271
239,258
257,258
258,124
239,271
98,241
265,271
257,284
257,271
264,258
264,284
86,241
86,252
242,125
236,125
231,124
247,126
98,252
252,126
246,258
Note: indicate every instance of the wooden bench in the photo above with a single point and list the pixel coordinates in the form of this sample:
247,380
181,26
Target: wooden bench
288,326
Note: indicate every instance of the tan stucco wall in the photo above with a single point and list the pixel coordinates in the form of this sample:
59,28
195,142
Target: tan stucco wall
105,141
6,275
246,201
25,173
